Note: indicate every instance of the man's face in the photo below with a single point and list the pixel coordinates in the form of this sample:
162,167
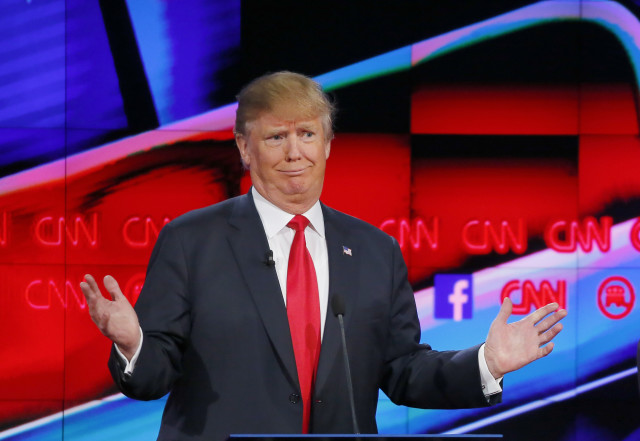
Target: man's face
286,158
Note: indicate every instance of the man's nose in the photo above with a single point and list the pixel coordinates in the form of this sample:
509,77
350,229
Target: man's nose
292,148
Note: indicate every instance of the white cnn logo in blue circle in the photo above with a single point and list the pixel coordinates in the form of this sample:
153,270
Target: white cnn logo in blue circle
453,296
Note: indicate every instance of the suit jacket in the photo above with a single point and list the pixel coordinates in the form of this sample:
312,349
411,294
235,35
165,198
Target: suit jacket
216,334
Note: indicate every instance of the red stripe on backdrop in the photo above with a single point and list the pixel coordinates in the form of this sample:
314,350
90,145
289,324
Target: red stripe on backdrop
524,109
495,109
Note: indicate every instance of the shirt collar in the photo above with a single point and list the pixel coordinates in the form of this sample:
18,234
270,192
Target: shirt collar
275,219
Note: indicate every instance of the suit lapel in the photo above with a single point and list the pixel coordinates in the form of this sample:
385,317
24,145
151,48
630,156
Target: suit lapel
343,272
249,244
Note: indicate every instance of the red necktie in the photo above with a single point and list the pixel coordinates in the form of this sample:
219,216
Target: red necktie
303,311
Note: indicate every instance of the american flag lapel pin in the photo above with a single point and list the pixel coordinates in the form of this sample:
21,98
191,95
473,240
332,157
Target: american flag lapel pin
346,251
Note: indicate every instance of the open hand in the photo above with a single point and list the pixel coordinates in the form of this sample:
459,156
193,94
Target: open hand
510,346
115,318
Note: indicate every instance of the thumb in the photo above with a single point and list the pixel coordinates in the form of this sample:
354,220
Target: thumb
505,310
112,287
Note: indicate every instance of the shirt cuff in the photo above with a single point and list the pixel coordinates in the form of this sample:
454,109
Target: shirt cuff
130,364
490,385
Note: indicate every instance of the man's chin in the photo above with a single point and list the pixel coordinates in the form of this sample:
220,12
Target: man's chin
301,192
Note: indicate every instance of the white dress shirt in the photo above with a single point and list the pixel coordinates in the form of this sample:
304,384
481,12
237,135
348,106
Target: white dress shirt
275,220
280,237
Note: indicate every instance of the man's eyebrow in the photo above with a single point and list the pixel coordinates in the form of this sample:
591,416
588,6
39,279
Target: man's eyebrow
275,129
308,126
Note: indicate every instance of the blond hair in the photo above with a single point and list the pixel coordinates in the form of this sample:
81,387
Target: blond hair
284,92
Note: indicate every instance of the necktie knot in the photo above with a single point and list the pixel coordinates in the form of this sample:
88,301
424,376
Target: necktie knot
298,223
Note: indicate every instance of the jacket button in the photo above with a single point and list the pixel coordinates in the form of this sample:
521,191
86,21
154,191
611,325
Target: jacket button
294,398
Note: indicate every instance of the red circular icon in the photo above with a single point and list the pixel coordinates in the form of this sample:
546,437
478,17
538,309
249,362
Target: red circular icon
133,287
612,292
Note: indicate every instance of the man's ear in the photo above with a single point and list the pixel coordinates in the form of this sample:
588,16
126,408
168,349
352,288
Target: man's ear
242,144
327,150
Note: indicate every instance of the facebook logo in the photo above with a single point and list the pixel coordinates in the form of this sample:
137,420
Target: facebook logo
453,296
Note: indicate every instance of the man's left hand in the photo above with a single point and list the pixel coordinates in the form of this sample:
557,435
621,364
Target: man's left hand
510,346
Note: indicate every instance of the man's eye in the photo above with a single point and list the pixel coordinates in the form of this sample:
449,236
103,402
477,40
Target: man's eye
274,139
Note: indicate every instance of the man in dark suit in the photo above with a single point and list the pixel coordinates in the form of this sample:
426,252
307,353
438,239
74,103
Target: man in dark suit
219,324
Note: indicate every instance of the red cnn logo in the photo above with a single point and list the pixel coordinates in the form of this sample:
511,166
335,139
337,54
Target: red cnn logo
51,231
3,229
535,297
140,232
564,237
41,294
483,237
416,233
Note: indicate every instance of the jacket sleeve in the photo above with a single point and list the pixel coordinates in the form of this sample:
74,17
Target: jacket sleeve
414,374
164,313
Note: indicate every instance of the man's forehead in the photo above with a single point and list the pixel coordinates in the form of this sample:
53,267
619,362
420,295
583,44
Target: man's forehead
277,119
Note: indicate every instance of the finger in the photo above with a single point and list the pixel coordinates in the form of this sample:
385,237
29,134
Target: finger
545,350
540,313
550,334
505,310
113,288
548,322
90,288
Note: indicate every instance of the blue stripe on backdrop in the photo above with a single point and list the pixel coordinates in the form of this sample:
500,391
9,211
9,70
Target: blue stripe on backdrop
124,419
183,46
93,94
32,64
115,417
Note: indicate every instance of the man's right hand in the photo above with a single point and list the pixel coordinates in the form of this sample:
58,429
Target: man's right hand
115,318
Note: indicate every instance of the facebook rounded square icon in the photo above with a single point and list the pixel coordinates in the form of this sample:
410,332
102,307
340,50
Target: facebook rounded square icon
453,296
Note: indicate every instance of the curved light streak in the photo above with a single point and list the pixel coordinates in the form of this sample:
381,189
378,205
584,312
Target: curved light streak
609,15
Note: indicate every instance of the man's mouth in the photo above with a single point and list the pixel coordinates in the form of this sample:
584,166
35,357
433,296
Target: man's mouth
296,172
